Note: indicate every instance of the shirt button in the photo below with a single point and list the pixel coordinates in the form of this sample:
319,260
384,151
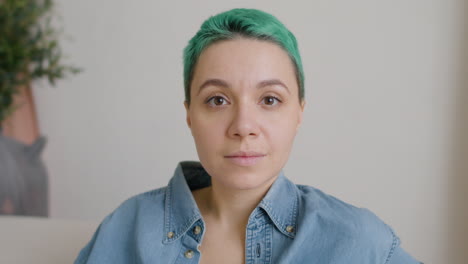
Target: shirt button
188,254
170,234
197,230
290,229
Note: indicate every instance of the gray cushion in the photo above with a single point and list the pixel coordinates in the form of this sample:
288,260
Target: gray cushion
23,177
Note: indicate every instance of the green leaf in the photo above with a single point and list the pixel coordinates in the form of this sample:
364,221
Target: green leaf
29,46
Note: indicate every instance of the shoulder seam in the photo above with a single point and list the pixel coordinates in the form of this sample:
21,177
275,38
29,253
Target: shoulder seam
392,249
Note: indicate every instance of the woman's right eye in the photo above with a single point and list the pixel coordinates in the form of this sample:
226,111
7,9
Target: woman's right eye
216,101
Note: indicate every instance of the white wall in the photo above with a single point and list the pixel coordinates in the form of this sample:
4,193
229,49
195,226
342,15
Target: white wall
382,128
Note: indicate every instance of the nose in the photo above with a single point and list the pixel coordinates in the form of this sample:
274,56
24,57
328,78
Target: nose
244,122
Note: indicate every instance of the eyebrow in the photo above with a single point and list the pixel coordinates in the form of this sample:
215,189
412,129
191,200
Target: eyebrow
272,82
213,82
224,84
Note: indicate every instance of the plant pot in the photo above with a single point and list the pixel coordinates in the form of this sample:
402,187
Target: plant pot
23,177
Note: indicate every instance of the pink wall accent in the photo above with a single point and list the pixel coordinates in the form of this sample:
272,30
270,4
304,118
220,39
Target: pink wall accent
22,125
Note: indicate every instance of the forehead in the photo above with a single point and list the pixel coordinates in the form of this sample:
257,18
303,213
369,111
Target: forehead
244,62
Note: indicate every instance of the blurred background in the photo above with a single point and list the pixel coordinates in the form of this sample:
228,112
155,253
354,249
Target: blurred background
385,126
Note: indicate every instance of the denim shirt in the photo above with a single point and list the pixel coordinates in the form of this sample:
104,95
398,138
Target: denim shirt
292,224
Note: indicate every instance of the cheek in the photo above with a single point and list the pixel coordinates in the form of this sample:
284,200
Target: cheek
282,131
207,132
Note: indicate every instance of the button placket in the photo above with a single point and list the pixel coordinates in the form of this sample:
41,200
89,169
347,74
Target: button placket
258,240
189,252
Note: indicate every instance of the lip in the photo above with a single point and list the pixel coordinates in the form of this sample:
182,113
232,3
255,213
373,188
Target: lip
245,158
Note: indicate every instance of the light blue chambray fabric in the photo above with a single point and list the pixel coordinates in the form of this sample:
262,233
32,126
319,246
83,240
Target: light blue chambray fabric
292,224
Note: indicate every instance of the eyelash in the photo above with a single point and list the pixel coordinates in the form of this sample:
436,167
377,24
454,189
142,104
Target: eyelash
218,96
211,99
274,97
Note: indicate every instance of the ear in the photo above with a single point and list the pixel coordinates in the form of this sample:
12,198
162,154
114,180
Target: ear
301,111
187,110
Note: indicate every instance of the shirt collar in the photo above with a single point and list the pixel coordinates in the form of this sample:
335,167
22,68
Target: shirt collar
181,211
281,204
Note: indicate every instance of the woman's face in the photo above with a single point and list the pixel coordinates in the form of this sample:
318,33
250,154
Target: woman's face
244,111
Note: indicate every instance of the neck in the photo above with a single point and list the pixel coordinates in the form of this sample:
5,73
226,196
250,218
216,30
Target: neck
230,207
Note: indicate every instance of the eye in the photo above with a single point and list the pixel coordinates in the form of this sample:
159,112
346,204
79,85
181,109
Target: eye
216,101
271,100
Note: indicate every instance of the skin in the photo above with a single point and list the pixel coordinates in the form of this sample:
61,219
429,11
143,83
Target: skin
252,105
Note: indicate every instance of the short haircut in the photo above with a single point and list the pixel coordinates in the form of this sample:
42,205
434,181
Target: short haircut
246,23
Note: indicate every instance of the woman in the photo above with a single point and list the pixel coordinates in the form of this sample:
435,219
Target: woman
244,89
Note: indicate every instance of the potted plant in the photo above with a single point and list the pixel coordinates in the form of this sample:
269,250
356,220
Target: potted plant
29,50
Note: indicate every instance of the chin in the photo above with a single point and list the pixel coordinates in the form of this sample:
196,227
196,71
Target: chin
244,180
234,176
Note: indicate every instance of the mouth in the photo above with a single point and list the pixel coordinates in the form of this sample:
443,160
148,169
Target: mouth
245,158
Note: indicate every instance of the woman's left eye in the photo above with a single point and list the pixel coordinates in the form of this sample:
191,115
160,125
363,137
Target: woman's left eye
270,100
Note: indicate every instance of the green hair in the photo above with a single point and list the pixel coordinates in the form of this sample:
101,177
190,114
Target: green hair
241,22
